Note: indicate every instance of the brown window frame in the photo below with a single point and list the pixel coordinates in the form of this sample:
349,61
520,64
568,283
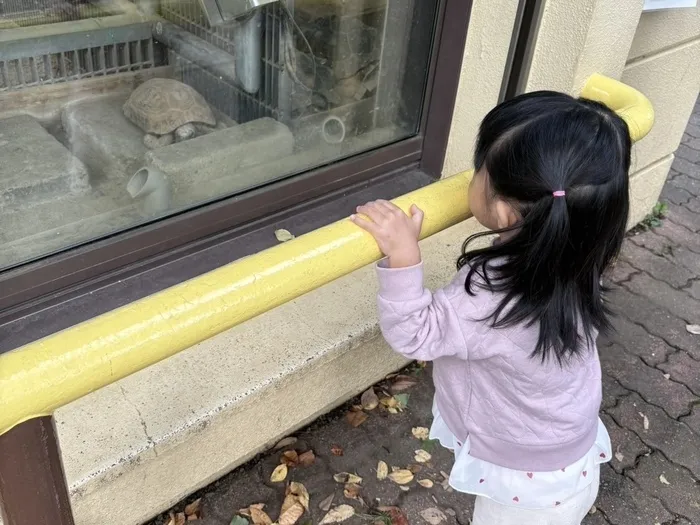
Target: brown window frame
48,281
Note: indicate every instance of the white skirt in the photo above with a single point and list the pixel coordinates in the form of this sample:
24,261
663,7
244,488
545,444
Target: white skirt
526,490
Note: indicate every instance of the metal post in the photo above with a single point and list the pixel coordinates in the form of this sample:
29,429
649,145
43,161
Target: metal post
33,487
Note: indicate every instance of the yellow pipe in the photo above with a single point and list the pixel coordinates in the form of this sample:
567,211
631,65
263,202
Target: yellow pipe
629,103
42,376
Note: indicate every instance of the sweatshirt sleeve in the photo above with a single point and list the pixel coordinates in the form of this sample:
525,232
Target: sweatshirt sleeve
415,322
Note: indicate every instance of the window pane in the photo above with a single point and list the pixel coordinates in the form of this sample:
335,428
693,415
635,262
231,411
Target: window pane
115,113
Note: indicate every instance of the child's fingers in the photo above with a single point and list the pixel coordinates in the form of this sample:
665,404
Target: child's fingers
417,216
371,210
388,206
366,225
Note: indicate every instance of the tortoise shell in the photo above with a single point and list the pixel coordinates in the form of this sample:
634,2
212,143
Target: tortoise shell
161,105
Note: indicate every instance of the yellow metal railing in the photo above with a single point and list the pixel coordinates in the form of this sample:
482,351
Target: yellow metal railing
40,377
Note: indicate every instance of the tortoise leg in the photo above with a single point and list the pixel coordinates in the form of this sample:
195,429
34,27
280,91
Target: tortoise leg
152,141
184,132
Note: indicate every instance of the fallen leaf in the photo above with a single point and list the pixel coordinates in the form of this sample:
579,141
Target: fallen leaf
307,458
325,505
337,450
434,516
426,483
286,442
352,490
283,235
402,399
592,510
422,456
667,376
177,519
382,470
402,383
239,520
291,515
290,458
194,508
401,477
619,456
693,329
421,433
396,515
646,421
663,480
356,418
389,402
338,514
346,477
415,468
246,511
298,491
404,488
279,474
259,516
369,400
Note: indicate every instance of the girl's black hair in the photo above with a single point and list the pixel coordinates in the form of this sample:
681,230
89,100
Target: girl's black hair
549,269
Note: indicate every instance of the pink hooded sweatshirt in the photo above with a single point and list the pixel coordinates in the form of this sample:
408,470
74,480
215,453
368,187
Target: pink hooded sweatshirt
518,412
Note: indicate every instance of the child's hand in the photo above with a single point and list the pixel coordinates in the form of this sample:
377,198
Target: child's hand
395,232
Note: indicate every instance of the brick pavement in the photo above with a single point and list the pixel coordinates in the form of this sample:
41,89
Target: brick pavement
651,385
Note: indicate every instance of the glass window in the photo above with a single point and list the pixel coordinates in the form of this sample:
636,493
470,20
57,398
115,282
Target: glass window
114,113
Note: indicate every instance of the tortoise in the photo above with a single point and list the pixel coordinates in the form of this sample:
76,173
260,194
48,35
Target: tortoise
168,110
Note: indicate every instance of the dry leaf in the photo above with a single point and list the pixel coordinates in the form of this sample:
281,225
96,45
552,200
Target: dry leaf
356,418
593,510
337,450
397,516
389,402
290,458
338,514
619,456
667,376
177,519
346,477
663,480
426,483
283,235
693,329
402,400
646,421
194,508
259,516
279,474
382,470
352,491
239,520
404,488
401,477
300,493
286,442
369,400
246,511
415,468
434,516
421,433
325,505
291,515
307,458
422,456
402,383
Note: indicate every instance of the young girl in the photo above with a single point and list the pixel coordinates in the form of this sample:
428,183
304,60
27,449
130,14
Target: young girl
512,338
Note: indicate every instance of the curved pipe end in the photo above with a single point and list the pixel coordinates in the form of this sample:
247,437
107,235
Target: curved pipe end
630,104
150,186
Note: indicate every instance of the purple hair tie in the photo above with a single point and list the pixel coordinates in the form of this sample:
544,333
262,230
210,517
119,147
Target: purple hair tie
559,193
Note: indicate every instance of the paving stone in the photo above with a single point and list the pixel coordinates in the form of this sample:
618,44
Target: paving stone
595,519
693,205
660,245
678,490
693,420
673,438
691,142
676,195
655,320
657,266
680,236
693,130
683,369
689,154
683,217
627,446
648,382
676,302
636,340
625,503
687,169
621,271
612,391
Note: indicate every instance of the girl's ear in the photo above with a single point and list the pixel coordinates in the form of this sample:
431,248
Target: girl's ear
506,216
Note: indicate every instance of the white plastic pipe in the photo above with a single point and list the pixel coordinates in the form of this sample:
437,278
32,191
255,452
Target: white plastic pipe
151,187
